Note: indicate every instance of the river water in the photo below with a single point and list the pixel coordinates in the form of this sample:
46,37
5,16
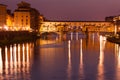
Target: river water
76,56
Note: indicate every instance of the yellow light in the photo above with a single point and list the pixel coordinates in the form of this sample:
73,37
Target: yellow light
5,28
1,61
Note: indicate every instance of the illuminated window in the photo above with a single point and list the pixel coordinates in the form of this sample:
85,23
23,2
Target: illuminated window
26,21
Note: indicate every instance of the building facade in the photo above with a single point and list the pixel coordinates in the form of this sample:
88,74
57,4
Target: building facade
3,13
10,19
22,16
25,17
115,20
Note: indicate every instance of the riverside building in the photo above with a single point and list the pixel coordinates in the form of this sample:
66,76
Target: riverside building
10,19
25,17
3,13
22,16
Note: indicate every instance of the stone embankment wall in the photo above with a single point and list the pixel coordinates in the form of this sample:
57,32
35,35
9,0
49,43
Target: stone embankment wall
9,37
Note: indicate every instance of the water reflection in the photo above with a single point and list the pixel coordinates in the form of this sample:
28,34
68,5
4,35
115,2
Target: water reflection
78,57
1,63
118,56
69,60
101,58
81,59
6,61
77,36
71,35
15,61
117,51
90,58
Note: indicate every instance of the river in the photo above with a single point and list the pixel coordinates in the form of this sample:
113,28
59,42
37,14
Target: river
76,56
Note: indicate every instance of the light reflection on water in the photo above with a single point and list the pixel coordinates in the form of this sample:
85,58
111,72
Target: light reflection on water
15,61
77,57
81,60
69,61
101,58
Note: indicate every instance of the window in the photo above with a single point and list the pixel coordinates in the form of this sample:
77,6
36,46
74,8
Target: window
26,21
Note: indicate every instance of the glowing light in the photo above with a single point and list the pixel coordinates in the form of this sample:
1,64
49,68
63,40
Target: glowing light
28,61
81,59
71,36
115,26
93,38
81,53
11,60
5,28
77,36
102,47
118,56
101,57
6,60
15,62
69,61
0,28
115,29
15,57
23,60
1,62
69,52
19,56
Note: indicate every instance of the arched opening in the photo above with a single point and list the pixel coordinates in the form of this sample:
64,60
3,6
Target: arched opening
49,35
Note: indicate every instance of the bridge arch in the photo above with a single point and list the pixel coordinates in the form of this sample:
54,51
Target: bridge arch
42,33
49,35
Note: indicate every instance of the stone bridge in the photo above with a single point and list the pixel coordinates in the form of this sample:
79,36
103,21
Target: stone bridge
60,26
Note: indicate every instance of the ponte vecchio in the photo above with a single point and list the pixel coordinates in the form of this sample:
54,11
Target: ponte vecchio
58,26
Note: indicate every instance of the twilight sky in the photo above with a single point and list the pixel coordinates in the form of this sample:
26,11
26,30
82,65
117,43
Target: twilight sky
78,10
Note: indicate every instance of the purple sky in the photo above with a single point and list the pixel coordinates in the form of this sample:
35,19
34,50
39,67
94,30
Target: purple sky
89,10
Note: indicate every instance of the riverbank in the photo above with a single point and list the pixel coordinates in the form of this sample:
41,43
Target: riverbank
11,37
114,39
